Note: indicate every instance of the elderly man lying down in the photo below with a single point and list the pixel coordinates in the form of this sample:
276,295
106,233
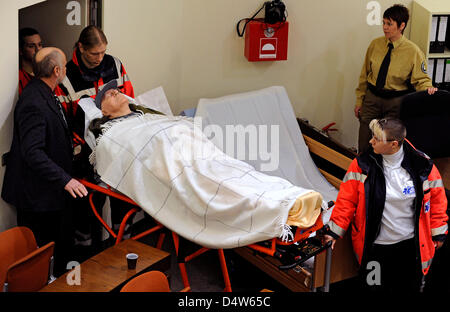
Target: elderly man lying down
180,178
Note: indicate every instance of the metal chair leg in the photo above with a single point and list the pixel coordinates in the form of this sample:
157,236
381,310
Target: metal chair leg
326,286
51,277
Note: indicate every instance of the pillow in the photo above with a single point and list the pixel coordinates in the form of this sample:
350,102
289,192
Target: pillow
155,99
91,112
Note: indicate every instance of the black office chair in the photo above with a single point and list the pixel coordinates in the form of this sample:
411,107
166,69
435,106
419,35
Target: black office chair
427,120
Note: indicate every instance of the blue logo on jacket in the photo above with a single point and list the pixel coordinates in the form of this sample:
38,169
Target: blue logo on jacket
409,190
427,206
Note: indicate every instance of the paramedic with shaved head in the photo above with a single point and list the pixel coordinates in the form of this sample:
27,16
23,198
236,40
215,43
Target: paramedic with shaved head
38,179
393,200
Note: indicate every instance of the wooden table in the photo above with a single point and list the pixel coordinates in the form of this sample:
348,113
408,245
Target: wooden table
108,271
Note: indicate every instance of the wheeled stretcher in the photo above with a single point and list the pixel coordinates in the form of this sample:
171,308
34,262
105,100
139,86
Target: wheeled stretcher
277,247
305,174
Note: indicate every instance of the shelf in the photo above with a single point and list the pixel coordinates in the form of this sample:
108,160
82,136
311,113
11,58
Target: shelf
421,19
435,6
446,54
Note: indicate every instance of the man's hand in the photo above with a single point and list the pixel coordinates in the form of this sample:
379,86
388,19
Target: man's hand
431,90
328,238
75,188
357,111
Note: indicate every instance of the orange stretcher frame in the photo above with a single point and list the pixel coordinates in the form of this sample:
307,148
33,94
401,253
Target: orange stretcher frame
300,234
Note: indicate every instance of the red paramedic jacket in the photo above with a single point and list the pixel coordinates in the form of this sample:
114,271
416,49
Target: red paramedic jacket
24,79
83,82
361,198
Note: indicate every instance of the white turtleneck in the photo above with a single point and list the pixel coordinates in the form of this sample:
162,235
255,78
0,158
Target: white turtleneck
397,223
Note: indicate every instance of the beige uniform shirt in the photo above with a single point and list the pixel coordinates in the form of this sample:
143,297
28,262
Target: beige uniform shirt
407,63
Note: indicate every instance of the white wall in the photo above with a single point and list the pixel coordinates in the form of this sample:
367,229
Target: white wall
191,48
146,36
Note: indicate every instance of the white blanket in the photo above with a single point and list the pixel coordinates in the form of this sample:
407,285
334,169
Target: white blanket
179,177
269,107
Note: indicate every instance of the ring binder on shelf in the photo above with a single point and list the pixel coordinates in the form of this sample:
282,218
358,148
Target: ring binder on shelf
438,33
442,33
430,68
447,37
440,71
447,75
433,33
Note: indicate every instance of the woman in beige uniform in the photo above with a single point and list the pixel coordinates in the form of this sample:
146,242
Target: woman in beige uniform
393,67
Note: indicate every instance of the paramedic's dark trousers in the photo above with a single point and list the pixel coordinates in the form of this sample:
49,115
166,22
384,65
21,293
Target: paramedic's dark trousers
375,107
398,270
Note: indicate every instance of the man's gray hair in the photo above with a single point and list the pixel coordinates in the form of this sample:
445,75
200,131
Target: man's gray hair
44,68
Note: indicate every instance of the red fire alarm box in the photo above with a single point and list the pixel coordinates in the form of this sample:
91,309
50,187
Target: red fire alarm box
266,42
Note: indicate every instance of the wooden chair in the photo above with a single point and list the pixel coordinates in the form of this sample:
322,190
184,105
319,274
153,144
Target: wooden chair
153,281
23,266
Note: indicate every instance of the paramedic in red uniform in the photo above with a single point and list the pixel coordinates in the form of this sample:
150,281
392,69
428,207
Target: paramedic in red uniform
88,71
393,198
29,43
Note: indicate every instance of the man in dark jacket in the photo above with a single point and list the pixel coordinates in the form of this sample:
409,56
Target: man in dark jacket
38,172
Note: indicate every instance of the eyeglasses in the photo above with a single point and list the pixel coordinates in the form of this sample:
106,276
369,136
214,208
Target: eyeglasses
379,140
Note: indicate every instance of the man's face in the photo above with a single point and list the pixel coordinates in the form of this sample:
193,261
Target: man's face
62,73
92,57
113,102
32,45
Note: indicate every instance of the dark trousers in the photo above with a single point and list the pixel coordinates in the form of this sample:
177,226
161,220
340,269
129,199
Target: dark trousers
375,107
54,226
438,278
398,269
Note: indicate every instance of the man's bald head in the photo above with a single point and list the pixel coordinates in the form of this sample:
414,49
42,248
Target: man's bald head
45,61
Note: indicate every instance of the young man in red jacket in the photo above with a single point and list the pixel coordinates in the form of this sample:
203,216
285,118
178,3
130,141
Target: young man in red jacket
30,43
394,199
